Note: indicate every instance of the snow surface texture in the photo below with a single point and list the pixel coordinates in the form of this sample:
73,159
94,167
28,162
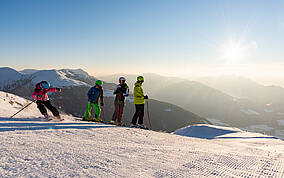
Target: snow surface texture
33,147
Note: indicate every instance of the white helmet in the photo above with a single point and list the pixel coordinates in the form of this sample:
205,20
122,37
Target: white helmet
122,79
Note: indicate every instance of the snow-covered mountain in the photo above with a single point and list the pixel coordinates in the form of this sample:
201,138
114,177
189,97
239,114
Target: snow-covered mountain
58,78
75,85
32,147
8,77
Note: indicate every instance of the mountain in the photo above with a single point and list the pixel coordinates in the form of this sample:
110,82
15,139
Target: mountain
8,77
153,82
75,84
244,88
216,104
32,147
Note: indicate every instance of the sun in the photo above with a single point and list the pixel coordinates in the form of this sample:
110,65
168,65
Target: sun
232,51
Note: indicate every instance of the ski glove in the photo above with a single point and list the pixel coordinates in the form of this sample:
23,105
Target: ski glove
58,89
146,97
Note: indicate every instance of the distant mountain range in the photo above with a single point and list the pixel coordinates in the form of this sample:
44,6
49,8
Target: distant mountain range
235,102
217,103
76,83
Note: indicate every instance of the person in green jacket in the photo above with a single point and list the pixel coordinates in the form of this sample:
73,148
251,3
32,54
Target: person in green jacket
139,101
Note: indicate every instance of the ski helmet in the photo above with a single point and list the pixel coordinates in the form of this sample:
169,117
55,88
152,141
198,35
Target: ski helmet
44,85
122,79
140,78
99,82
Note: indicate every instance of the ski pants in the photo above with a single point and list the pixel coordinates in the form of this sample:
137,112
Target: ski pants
88,112
118,110
138,113
42,104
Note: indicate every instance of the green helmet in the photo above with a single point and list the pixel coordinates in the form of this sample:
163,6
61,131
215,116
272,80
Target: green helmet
140,78
99,82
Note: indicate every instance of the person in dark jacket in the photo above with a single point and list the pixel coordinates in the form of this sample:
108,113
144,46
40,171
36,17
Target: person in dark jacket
121,91
42,100
94,95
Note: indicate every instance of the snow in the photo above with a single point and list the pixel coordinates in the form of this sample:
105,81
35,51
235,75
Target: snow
10,104
78,72
55,78
249,112
33,147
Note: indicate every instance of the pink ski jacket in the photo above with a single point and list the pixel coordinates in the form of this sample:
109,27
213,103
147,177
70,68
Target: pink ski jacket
40,94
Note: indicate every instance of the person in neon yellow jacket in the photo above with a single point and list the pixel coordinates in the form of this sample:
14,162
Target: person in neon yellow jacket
139,101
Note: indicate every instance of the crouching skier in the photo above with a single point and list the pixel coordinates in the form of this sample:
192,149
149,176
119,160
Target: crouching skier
121,91
94,95
42,100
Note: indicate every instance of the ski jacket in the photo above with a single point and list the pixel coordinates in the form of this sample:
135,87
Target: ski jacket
40,94
138,94
94,94
121,91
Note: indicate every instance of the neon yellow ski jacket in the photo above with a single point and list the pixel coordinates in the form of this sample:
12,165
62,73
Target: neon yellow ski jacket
138,94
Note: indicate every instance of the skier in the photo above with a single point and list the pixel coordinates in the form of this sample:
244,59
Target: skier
121,91
94,94
42,100
139,101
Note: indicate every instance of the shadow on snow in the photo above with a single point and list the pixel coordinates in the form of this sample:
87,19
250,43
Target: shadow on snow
207,132
37,124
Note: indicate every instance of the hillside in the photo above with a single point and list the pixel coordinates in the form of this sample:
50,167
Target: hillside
75,84
32,147
225,101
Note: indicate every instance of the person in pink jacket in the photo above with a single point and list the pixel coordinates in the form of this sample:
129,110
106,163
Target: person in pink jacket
42,100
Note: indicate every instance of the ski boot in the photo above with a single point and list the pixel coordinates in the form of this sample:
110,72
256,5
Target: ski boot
59,118
98,120
141,126
112,122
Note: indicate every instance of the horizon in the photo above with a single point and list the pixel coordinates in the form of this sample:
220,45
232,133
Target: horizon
185,39
191,78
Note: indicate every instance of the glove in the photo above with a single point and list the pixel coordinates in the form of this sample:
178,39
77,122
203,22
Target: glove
58,89
146,97
102,104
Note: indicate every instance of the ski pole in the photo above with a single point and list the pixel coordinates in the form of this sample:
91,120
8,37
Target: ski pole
148,115
59,98
23,108
103,114
145,122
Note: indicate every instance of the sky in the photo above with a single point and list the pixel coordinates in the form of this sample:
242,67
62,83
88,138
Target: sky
182,38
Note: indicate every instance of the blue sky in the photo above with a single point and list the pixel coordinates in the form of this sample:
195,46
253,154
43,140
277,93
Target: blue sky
172,37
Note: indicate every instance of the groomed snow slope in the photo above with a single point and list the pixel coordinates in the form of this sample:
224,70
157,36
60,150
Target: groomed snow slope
32,147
